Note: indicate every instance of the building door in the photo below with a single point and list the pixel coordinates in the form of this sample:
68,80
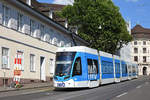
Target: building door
42,69
144,70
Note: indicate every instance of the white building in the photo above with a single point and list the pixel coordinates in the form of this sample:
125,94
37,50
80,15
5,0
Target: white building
141,49
28,42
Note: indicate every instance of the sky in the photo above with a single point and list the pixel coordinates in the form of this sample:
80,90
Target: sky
136,11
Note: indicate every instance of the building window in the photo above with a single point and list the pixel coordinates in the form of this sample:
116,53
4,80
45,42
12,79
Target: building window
42,31
32,27
136,58
62,44
144,50
32,62
144,58
5,57
135,50
6,15
20,22
135,42
144,42
54,41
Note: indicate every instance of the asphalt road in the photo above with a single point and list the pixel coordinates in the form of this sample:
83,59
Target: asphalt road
137,89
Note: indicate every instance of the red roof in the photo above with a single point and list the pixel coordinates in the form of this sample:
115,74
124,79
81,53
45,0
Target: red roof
140,29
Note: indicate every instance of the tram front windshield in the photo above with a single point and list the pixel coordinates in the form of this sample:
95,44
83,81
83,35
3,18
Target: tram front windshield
64,63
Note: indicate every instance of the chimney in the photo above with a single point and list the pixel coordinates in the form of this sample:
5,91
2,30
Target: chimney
51,14
28,2
66,23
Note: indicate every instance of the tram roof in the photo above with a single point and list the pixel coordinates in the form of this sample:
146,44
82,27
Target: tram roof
78,49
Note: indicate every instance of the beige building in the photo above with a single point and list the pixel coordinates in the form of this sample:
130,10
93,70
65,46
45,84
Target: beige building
140,52
33,38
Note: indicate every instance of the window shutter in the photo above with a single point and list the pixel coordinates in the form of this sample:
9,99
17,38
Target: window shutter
1,13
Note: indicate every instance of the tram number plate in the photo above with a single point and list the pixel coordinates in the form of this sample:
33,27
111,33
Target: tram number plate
61,84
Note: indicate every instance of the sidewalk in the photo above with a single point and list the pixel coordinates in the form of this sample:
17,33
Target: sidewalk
27,86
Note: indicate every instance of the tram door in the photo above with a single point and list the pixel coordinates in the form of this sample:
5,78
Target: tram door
92,71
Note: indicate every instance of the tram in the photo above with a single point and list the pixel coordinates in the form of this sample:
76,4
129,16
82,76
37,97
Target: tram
80,66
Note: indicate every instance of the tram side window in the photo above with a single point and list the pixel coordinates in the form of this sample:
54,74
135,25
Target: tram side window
107,67
89,61
95,63
77,70
92,66
124,68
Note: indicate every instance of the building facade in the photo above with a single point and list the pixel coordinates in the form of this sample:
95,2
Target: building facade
140,52
33,38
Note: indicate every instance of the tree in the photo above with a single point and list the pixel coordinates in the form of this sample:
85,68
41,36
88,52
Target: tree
99,22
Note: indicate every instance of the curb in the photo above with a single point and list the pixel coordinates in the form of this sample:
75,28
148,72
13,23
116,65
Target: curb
19,89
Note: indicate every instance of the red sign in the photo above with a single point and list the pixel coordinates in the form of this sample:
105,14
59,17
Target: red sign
17,72
17,60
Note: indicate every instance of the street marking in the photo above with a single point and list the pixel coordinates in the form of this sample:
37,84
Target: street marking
138,86
122,94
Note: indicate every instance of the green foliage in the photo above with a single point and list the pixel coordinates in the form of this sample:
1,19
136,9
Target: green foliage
99,22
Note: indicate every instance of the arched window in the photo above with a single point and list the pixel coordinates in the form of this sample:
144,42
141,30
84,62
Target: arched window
61,43
54,41
46,37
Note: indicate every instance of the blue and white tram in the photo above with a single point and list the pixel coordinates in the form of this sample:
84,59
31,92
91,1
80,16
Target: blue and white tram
81,66
76,67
